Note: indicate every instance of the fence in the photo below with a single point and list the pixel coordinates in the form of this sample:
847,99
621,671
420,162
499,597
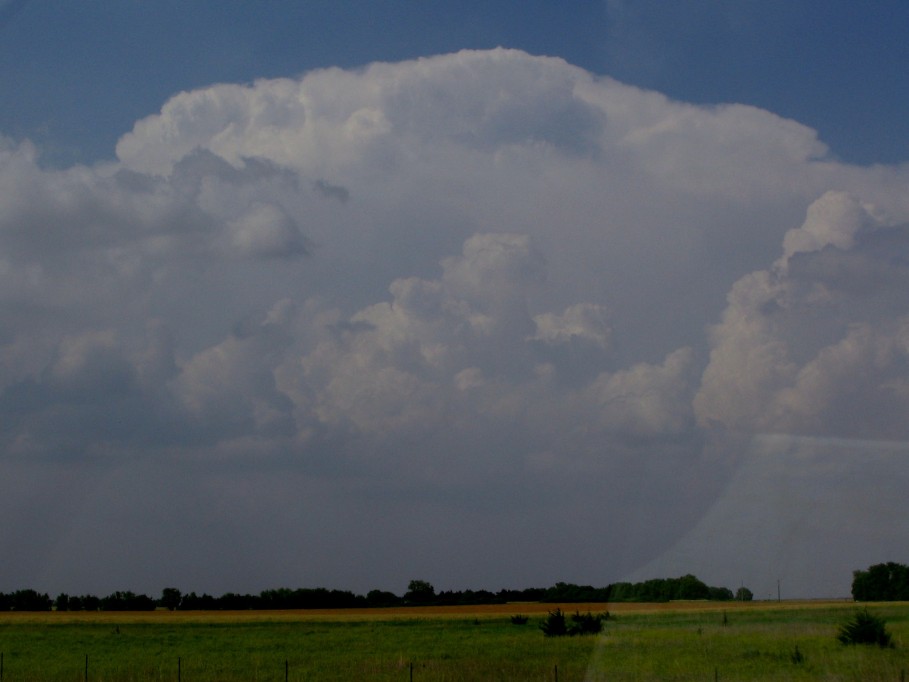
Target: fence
407,671
179,678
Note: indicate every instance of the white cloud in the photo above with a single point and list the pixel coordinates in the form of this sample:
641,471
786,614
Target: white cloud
465,274
648,400
832,220
90,364
266,230
816,344
581,321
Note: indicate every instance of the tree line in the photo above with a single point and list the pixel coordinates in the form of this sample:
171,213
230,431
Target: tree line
687,587
880,582
419,593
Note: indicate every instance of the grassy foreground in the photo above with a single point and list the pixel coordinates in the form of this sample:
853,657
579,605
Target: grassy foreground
681,641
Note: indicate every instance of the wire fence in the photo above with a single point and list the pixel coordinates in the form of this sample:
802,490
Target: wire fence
411,671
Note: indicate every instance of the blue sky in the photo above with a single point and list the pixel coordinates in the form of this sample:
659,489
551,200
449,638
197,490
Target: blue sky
487,294
77,75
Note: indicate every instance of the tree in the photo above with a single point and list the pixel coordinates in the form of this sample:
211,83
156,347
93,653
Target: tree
743,594
419,592
380,598
89,602
127,601
170,598
689,587
192,601
569,592
720,594
30,600
881,582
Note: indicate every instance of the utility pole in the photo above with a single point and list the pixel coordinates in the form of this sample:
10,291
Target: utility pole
778,590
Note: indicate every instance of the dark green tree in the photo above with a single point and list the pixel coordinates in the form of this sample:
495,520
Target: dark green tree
881,582
88,602
127,601
382,598
689,587
170,598
743,594
720,594
419,592
569,592
30,600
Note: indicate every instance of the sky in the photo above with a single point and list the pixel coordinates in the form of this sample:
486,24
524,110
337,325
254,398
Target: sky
493,295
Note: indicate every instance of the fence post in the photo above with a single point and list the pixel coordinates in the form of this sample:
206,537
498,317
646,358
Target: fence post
1,666
411,671
179,669
556,671
286,670
86,667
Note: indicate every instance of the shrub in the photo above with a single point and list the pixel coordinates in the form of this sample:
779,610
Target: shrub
587,623
554,625
519,620
864,628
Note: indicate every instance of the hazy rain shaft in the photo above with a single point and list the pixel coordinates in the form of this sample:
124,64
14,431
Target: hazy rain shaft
484,317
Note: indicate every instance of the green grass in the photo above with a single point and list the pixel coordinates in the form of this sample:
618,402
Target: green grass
441,649
755,643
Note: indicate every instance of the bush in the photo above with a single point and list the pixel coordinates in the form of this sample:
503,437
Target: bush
587,623
554,625
865,629
519,620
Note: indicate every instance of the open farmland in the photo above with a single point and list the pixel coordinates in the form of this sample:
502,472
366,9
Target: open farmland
676,641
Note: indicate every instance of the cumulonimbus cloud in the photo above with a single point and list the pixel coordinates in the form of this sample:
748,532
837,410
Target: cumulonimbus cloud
483,268
817,343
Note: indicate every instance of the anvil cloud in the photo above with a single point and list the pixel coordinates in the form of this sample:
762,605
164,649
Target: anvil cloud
484,318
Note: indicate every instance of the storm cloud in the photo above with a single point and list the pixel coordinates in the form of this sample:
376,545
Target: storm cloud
484,318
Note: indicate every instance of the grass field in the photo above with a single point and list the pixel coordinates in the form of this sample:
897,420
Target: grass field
677,641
